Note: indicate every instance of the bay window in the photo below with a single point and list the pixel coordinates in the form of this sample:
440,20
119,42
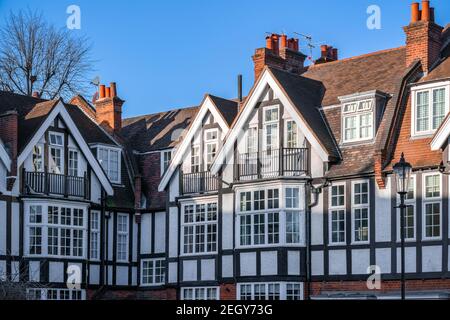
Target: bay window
56,230
430,106
199,228
264,218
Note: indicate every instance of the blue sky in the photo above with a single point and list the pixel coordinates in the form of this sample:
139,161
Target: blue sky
168,54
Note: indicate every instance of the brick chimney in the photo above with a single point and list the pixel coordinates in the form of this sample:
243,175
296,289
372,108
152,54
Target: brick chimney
108,107
423,36
281,53
9,133
327,54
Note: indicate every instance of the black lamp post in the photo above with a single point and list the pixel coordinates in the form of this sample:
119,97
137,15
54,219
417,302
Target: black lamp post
402,172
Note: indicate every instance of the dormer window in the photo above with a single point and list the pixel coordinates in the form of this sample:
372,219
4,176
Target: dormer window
430,106
358,121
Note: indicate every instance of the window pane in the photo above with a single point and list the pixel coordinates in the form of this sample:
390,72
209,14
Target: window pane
422,113
438,107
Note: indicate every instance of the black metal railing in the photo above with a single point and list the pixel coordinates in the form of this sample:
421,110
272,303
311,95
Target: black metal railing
272,163
55,184
199,182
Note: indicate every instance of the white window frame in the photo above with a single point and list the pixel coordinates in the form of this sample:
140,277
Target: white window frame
95,234
123,233
430,88
164,163
282,216
70,162
45,226
248,148
39,156
358,113
210,142
119,160
431,200
43,292
286,133
195,159
205,293
194,224
270,123
409,203
337,208
360,206
153,272
282,288
56,147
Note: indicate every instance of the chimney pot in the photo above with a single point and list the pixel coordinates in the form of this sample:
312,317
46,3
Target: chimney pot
108,92
425,10
335,54
269,43
296,46
284,42
432,16
276,43
113,89
415,12
101,94
324,51
36,94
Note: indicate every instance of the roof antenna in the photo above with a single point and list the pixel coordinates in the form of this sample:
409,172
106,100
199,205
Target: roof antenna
310,44
96,82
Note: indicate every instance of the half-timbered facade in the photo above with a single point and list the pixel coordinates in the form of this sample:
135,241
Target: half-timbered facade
287,193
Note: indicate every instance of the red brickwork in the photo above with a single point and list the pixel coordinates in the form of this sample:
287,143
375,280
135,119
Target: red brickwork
228,292
150,167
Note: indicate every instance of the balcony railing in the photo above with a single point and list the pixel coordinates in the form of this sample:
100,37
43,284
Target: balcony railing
285,162
199,182
55,184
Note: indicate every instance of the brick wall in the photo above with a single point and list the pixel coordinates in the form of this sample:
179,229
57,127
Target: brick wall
165,294
228,292
150,167
318,288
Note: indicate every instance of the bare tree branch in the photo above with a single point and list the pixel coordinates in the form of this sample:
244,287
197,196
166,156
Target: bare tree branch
37,57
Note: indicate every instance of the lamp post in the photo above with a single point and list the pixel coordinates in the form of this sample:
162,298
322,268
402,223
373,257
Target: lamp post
402,171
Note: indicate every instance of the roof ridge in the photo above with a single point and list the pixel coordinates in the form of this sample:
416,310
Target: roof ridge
161,112
365,55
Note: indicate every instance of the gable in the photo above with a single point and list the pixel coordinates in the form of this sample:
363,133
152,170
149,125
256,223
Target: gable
207,107
60,110
4,157
310,121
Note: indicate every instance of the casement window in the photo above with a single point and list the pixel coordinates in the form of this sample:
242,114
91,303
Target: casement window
95,236
55,230
360,212
122,237
110,161
410,213
291,134
195,159
206,293
153,272
264,218
73,163
337,214
358,121
271,128
199,227
269,291
211,146
430,108
38,158
56,152
166,158
252,140
55,294
432,206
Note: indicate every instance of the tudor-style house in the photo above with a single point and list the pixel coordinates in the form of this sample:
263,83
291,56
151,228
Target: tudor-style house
285,194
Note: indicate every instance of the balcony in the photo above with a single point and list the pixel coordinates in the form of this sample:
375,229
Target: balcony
46,183
267,164
198,183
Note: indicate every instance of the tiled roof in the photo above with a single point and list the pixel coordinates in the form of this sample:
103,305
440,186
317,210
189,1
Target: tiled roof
228,108
157,131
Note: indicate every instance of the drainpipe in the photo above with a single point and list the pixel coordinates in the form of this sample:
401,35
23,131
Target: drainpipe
311,194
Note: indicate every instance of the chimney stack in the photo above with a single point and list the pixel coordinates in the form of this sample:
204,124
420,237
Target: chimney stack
281,53
423,36
109,107
327,54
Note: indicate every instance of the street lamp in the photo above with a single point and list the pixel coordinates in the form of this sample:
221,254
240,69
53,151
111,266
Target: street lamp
402,171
